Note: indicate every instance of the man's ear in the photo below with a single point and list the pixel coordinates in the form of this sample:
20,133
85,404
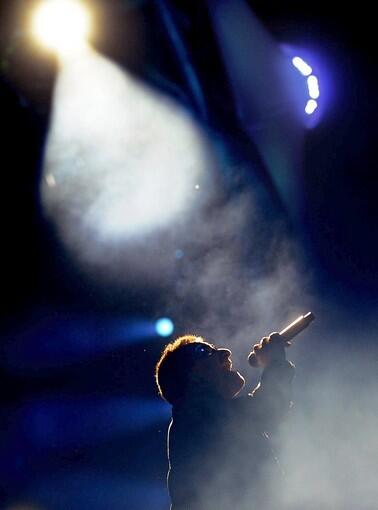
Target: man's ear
196,372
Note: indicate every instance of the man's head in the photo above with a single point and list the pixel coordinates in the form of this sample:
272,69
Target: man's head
191,363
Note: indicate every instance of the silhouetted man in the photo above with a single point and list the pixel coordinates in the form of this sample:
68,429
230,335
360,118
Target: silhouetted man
219,452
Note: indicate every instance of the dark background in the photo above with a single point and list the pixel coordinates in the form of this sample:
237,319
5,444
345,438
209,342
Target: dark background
340,242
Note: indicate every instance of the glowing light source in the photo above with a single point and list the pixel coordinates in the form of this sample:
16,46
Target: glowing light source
302,66
313,87
48,342
312,82
62,25
311,106
164,327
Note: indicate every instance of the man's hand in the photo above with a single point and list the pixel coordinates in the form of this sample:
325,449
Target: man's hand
270,349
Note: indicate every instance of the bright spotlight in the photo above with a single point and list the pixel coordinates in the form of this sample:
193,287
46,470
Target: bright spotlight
312,84
164,327
302,66
313,87
315,78
311,106
62,25
121,164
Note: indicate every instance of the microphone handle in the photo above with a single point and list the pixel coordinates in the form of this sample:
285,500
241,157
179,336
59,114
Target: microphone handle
288,333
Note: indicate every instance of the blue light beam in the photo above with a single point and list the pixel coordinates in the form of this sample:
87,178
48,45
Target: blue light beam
164,327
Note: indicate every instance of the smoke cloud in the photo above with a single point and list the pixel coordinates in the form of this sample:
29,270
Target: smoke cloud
229,273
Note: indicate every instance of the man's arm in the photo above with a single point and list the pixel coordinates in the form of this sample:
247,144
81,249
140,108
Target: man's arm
272,396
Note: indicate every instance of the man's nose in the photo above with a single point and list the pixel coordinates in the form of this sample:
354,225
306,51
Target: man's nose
224,353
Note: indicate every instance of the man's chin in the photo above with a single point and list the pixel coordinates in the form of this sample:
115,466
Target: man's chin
236,382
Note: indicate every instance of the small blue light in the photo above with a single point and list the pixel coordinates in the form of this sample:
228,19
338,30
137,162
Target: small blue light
164,327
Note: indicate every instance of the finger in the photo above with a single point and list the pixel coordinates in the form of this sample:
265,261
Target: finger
274,336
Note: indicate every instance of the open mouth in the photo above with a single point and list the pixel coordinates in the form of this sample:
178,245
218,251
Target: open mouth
227,365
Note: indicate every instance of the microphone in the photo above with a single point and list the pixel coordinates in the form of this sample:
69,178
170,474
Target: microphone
288,333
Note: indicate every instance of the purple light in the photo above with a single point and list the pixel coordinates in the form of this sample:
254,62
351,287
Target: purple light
311,106
302,66
316,80
313,87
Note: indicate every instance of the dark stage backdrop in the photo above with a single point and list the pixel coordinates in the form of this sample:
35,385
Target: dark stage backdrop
81,424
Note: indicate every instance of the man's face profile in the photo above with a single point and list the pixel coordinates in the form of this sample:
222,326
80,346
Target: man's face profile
213,366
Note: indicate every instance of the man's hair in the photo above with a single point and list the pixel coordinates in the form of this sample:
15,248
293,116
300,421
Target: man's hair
173,368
